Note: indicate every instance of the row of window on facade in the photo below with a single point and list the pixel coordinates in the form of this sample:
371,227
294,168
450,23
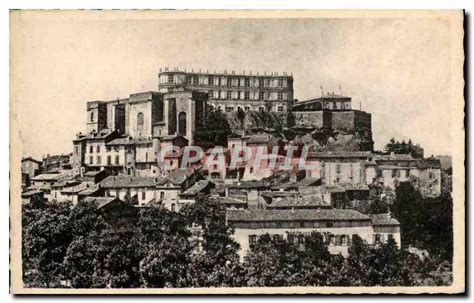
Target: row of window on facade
109,160
231,81
246,95
228,109
397,173
332,240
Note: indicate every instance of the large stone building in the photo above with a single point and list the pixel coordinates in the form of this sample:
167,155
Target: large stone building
231,91
338,226
148,114
330,111
124,135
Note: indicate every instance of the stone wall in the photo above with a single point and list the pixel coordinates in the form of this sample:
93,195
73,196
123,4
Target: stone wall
351,120
318,119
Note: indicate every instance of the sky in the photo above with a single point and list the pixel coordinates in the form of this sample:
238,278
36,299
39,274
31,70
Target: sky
398,69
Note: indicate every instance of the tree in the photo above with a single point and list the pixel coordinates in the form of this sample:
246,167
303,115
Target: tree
117,256
404,148
303,260
216,131
167,250
46,234
425,223
218,259
78,266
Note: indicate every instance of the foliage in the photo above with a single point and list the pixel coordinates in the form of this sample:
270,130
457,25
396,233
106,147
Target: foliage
84,248
216,131
425,223
404,148
45,238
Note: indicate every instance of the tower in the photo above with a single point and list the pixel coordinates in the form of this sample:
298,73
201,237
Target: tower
185,111
96,116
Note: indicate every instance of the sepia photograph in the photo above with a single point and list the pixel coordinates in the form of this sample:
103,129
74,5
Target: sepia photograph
237,152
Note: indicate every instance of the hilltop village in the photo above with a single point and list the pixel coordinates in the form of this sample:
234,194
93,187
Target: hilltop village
116,162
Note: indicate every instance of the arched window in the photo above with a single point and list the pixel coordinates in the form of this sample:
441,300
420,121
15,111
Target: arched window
140,122
92,116
182,123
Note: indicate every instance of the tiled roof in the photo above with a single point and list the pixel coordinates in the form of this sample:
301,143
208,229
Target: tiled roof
129,141
46,177
101,201
75,189
258,139
334,188
228,200
295,215
246,185
178,176
197,188
89,191
30,159
339,154
99,135
354,186
274,194
396,157
39,187
125,181
92,173
30,193
383,220
301,183
300,202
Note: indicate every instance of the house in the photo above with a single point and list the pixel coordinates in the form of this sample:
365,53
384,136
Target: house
44,182
56,163
95,177
230,202
33,197
114,210
140,191
200,187
29,168
425,174
66,191
127,188
385,227
314,201
338,226
340,166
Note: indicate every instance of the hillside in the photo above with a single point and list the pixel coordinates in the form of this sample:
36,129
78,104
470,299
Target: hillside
276,124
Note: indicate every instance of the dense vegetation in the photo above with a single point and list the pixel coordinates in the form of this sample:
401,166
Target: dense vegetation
426,223
403,147
84,247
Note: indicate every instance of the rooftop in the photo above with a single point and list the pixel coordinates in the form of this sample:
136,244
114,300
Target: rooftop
383,220
237,215
129,141
340,154
197,187
30,193
300,202
258,139
125,181
90,190
47,177
228,200
101,201
30,159
225,73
